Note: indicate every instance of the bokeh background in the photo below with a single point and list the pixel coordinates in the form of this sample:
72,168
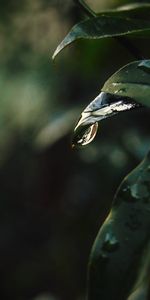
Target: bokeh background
53,199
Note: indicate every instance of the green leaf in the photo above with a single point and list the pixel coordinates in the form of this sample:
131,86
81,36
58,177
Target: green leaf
133,81
122,240
105,105
133,10
122,21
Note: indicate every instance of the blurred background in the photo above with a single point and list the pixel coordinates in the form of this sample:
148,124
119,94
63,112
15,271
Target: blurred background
53,199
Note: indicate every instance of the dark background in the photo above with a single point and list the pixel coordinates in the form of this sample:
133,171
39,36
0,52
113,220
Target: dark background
53,199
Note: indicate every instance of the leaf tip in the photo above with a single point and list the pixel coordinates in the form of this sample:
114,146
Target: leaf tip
59,48
55,54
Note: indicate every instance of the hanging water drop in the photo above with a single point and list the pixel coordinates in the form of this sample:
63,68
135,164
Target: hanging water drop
103,106
84,135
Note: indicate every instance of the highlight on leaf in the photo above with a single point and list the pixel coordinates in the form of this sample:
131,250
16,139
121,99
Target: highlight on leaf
103,106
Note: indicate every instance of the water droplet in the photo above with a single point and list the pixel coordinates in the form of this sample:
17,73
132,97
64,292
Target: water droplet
85,135
104,105
110,243
125,189
139,191
125,194
134,191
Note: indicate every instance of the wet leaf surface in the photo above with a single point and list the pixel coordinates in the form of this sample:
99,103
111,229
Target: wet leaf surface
133,81
123,239
103,106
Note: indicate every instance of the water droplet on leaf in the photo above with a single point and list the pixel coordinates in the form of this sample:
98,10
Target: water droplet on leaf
126,195
84,135
103,106
110,243
139,191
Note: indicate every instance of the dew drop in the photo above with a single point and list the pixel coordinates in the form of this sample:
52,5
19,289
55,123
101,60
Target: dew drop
110,243
103,106
125,189
139,191
85,135
127,195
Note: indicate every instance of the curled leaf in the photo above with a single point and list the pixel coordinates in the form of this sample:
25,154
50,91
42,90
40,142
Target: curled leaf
103,106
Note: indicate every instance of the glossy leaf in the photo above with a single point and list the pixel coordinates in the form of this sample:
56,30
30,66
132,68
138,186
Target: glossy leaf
122,21
133,10
103,106
133,81
122,240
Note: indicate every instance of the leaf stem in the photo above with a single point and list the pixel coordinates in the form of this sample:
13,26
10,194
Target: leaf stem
124,41
86,8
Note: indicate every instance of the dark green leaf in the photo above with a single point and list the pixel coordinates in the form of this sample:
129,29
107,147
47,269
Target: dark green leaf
133,10
125,20
122,240
133,81
103,106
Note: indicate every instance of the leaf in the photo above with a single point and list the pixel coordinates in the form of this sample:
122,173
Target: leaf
133,81
122,240
112,23
128,88
103,106
133,10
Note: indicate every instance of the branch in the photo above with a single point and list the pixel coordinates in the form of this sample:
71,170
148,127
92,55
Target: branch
125,42
85,8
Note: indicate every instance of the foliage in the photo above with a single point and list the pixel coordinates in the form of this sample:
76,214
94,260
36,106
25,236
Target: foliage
115,261
123,239
124,20
133,81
